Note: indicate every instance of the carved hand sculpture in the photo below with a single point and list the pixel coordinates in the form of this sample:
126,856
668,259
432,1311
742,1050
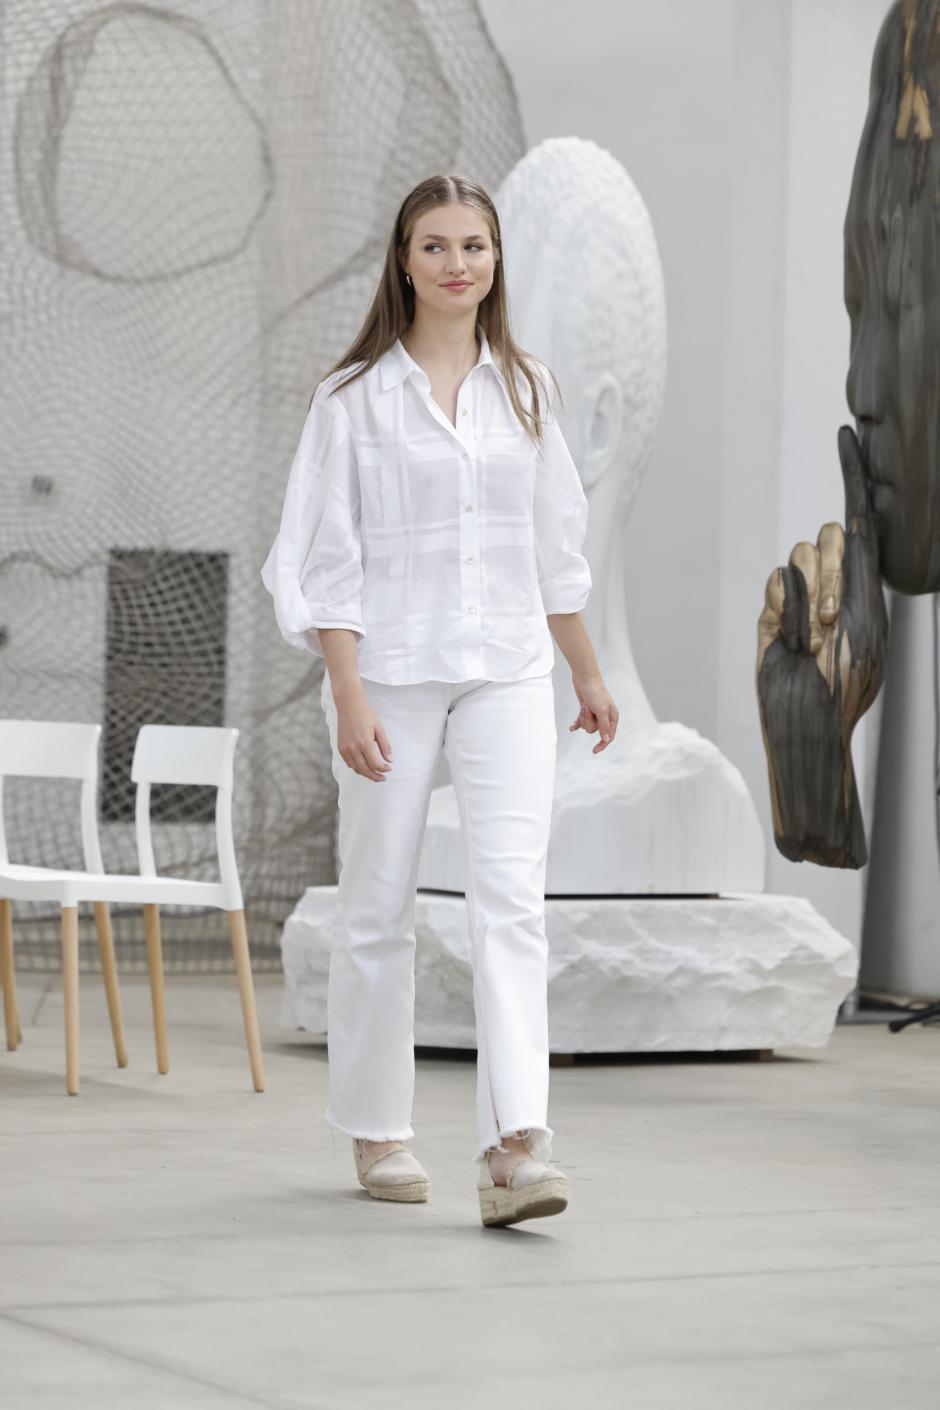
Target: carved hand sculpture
822,639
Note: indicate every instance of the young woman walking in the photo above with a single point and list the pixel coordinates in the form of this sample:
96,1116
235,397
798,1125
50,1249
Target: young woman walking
430,538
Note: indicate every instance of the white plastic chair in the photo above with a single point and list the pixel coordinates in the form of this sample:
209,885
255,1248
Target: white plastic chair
56,749
179,754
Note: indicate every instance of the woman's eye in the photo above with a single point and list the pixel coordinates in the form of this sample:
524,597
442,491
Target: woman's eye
434,246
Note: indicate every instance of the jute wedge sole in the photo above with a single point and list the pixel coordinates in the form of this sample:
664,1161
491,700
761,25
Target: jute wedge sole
502,1205
534,1190
396,1175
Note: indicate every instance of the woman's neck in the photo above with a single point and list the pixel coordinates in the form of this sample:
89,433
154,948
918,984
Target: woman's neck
451,349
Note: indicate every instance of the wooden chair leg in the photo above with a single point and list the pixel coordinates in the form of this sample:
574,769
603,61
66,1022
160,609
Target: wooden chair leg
157,990
11,1015
246,989
70,987
110,976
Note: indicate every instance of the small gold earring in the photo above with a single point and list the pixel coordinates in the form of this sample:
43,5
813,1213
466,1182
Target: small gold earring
408,277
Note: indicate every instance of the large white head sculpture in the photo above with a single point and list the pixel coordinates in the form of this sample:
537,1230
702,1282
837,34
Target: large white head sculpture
586,290
586,296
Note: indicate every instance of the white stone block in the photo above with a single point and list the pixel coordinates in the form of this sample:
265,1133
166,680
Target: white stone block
626,974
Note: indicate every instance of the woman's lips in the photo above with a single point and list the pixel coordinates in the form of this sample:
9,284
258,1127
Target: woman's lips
458,284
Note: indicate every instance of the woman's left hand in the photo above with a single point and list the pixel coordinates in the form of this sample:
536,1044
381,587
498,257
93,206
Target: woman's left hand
598,711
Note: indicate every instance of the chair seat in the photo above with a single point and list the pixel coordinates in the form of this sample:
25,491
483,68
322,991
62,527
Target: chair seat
22,883
184,755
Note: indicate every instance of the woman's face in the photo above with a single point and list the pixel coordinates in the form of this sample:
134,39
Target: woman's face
448,244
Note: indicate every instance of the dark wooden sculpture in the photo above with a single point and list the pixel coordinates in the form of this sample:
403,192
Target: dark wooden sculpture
821,654
822,635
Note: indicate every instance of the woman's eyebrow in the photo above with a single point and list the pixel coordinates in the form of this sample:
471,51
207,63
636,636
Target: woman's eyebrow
444,237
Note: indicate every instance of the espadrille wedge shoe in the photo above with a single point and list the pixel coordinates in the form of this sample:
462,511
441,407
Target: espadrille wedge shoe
533,1189
391,1175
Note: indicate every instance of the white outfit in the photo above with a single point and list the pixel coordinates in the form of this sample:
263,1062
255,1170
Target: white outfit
500,739
443,548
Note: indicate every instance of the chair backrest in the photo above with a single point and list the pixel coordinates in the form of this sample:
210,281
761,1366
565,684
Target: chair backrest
188,754
184,754
55,749
49,749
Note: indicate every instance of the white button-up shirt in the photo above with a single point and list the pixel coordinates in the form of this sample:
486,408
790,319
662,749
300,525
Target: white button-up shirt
441,546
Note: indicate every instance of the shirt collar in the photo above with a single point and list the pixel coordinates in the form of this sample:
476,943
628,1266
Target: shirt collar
396,363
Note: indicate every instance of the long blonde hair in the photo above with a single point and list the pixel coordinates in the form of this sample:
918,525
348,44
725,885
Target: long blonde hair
394,303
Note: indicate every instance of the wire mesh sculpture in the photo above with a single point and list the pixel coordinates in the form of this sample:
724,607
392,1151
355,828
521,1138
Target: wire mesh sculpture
194,203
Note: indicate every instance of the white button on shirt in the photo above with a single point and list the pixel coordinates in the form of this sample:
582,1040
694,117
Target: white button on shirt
371,537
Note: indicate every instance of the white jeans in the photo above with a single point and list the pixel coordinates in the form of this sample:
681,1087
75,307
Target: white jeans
500,741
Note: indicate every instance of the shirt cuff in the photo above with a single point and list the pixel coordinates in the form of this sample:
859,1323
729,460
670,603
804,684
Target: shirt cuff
297,614
564,596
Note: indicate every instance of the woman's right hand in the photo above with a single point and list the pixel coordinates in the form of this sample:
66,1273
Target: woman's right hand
361,739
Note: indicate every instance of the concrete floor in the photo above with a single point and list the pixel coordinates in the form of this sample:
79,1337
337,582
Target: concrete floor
740,1234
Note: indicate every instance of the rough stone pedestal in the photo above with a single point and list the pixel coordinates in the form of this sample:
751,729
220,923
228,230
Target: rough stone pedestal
626,974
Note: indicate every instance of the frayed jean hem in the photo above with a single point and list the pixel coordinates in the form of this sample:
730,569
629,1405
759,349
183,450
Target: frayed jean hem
405,1135
538,1138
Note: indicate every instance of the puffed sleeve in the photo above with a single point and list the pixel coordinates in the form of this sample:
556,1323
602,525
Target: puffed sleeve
560,510
314,568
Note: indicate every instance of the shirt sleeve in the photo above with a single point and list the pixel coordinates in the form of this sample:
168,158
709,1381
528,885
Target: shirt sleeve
314,568
560,511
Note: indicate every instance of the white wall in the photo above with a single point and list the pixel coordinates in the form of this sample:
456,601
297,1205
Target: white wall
739,121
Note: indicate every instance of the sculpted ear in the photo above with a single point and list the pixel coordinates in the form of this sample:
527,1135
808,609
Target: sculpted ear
604,413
